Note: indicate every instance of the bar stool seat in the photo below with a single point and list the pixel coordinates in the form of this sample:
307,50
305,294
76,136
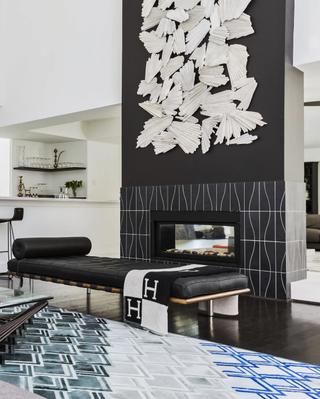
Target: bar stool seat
17,216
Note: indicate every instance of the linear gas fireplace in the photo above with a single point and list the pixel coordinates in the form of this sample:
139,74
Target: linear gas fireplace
261,223
196,237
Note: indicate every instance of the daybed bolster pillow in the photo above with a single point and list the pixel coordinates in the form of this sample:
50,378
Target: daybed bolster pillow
48,247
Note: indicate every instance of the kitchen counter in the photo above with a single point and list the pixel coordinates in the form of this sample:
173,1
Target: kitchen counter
54,200
99,220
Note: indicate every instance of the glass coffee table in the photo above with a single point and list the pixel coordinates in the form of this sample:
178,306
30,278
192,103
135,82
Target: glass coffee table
11,297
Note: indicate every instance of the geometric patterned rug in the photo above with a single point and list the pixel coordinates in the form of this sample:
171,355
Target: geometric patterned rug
69,355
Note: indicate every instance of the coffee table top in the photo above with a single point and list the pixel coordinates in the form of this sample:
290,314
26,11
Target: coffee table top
10,297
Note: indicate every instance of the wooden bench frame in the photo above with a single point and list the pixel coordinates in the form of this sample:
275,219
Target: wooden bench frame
229,309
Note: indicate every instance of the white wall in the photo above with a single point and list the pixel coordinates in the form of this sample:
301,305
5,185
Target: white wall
2,70
312,155
61,57
5,167
306,32
108,130
104,170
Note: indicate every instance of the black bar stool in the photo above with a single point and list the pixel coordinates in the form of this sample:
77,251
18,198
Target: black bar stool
17,215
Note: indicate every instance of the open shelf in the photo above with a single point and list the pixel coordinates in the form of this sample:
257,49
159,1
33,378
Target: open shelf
47,170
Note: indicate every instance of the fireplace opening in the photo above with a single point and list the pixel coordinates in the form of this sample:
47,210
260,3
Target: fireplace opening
196,237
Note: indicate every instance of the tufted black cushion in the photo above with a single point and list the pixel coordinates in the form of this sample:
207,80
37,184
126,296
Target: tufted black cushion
44,247
111,272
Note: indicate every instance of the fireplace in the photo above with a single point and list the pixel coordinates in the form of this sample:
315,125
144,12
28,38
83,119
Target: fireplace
269,217
196,237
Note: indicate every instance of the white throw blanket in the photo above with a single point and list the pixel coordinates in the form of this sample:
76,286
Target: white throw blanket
146,295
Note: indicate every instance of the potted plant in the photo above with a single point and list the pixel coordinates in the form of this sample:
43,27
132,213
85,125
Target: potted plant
73,184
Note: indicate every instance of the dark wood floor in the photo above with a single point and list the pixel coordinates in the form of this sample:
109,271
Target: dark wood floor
286,329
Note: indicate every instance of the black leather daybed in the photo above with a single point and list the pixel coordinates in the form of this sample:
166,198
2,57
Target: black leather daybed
64,260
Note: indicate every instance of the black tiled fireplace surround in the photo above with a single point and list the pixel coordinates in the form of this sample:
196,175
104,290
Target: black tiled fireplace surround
262,225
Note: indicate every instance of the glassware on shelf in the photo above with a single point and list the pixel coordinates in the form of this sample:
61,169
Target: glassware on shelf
61,192
34,191
49,164
21,155
42,188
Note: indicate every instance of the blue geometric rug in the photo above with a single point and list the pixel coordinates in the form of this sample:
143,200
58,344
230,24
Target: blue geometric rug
69,355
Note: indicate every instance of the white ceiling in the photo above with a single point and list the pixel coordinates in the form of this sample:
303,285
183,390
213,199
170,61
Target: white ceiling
64,128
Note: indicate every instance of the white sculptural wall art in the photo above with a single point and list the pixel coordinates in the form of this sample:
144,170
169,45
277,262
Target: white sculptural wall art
189,55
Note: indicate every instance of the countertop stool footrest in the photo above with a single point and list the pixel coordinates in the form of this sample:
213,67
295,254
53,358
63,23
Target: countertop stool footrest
14,321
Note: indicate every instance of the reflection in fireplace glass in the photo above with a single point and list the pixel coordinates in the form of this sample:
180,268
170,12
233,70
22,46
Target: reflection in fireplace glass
197,239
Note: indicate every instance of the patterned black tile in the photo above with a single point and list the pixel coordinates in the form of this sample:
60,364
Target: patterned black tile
253,282
123,199
134,222
131,198
237,196
186,198
267,226
242,225
131,246
267,198
280,229
131,222
267,284
197,197
268,256
141,226
151,198
281,290
162,198
251,196
142,199
123,221
280,195
210,197
147,241
251,255
252,225
174,198
141,249
148,225
223,197
281,257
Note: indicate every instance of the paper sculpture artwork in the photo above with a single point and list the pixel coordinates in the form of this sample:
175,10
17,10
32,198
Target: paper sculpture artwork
189,57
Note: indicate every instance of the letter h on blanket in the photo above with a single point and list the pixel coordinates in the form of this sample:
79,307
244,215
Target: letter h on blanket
146,295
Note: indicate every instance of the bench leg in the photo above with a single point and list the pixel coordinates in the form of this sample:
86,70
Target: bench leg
88,291
31,285
226,306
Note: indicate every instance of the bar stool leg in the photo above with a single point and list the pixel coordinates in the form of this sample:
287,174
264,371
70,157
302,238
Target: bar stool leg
5,276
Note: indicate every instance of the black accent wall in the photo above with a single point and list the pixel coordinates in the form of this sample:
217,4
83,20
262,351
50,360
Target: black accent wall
261,161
